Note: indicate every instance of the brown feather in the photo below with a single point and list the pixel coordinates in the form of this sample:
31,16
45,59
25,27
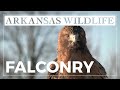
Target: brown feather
67,52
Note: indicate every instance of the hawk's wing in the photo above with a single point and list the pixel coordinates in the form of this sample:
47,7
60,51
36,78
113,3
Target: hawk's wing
52,75
102,69
99,70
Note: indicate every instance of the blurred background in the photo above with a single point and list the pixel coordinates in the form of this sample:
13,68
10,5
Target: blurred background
36,43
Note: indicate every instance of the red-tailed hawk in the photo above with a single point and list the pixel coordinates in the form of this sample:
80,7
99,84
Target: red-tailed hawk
72,47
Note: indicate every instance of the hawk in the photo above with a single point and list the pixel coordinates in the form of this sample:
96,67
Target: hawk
72,47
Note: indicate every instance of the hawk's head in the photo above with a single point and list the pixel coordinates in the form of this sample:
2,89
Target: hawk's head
72,37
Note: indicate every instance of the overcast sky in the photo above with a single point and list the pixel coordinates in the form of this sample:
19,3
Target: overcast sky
106,37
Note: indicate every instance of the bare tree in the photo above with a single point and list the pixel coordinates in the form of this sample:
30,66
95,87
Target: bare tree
31,43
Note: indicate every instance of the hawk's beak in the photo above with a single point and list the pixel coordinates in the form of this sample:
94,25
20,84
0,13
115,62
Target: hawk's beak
74,38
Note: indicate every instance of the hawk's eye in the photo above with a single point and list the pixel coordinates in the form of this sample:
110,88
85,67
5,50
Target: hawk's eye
83,34
67,35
